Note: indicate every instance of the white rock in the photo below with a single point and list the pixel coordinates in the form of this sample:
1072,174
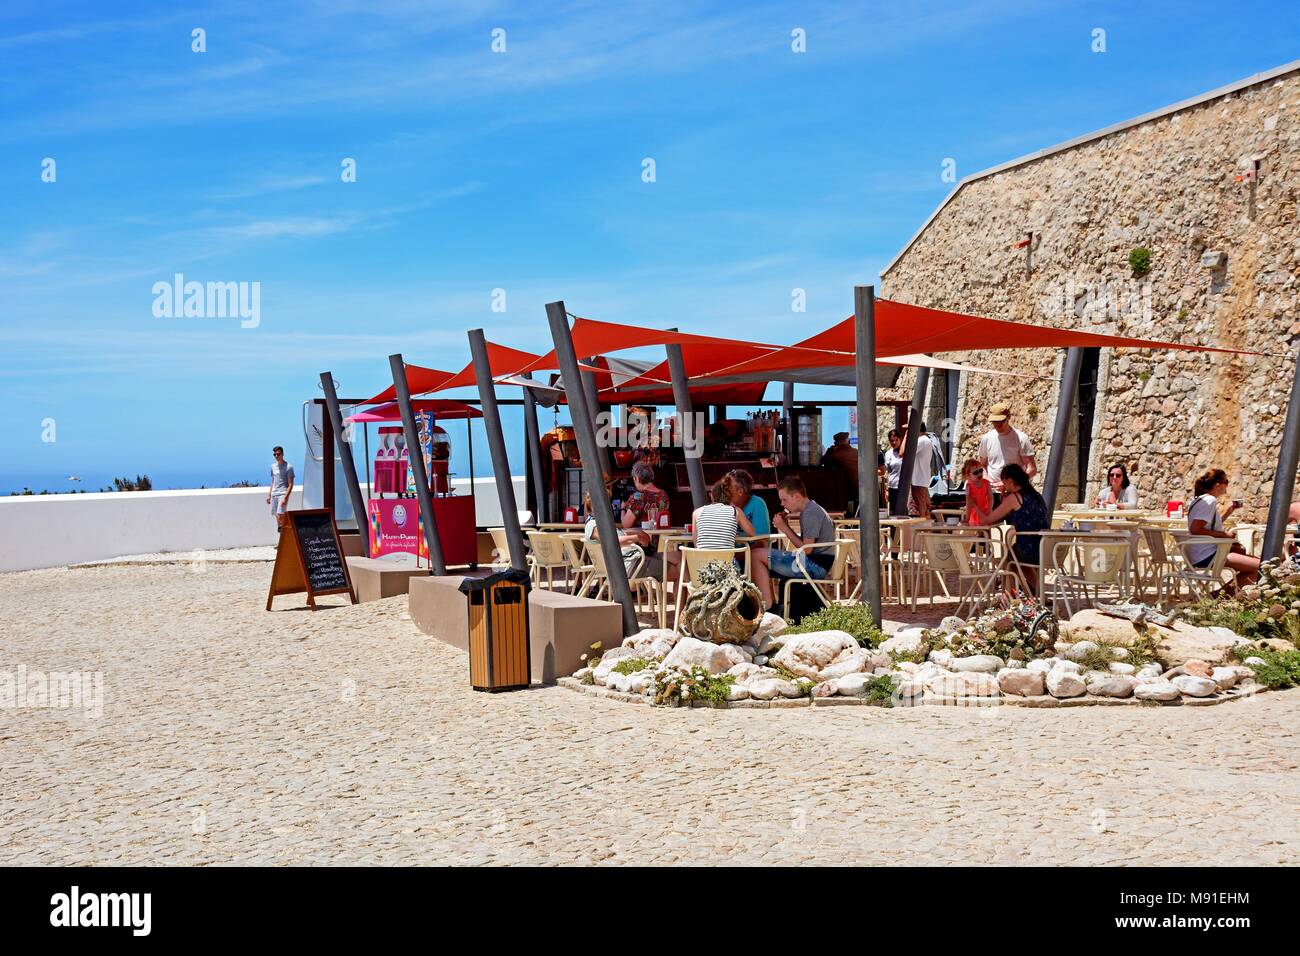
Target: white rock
812,655
692,652
1063,647
1040,664
1021,682
927,670
981,663
737,692
736,654
743,672
910,689
1226,677
1119,667
852,685
1255,662
970,684
1156,690
1065,683
1195,686
761,659
643,640
1065,666
582,673
907,667
950,624
1081,649
851,662
1015,665
941,656
1110,685
910,640
618,682
1150,670
1119,653
769,625
769,688
824,689
636,683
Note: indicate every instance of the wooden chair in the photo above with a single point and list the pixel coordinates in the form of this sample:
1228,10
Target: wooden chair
546,553
1154,567
693,559
836,576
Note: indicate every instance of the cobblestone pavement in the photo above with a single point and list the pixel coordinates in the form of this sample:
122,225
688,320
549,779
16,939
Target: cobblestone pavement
230,735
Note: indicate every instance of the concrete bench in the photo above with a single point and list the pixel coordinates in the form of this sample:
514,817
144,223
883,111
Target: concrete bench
561,627
374,579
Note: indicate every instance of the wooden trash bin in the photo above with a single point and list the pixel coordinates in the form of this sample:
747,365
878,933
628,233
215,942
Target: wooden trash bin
499,655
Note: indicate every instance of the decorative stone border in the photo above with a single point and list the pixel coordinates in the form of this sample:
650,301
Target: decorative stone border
928,700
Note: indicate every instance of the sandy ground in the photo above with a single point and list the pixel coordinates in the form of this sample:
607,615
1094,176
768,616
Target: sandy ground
230,735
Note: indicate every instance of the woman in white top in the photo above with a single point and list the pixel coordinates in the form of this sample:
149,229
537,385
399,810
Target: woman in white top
716,525
1117,490
1204,521
893,465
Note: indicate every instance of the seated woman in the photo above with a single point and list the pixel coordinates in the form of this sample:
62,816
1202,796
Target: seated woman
644,506
1025,510
716,525
979,492
755,509
1204,521
1117,490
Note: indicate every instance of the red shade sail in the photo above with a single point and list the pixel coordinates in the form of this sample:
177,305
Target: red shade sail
442,408
418,379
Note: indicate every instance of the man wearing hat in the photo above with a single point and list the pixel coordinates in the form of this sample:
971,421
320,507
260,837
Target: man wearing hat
1004,445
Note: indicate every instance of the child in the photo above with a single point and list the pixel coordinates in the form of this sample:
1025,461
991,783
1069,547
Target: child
979,493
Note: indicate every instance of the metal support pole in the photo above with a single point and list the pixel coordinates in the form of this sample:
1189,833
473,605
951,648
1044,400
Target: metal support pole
436,562
864,327
1061,429
787,409
585,431
914,417
534,442
592,395
1288,456
497,448
686,419
343,442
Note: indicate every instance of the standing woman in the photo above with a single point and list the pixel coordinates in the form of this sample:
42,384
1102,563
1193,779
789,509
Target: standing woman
893,465
1117,490
1024,509
1204,521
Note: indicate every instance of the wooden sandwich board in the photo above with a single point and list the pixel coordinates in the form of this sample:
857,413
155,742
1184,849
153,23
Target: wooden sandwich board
309,558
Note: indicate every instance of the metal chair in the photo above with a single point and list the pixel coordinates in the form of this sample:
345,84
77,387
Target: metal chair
836,576
1082,564
1200,581
546,553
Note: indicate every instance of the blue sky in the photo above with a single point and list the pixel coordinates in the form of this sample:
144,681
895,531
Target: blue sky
478,170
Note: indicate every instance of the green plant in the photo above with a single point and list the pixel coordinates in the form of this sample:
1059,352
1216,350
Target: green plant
914,657
590,661
674,687
1182,313
880,690
853,619
1144,375
630,665
805,684
1139,260
1268,608
1032,410
1098,658
1280,668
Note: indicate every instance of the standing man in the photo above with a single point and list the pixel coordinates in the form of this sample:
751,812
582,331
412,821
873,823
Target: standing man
1005,445
844,456
281,486
922,468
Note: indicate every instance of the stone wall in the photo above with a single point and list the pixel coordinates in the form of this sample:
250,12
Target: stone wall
1223,271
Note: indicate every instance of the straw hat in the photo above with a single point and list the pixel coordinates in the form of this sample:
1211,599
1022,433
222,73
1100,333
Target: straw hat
1000,412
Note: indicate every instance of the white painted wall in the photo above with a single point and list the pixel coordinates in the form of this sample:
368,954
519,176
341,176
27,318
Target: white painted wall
49,531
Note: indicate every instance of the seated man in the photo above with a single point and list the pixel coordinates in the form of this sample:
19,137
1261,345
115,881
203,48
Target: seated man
815,527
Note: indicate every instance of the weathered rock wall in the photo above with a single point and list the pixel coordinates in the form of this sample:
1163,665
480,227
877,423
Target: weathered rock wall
1223,271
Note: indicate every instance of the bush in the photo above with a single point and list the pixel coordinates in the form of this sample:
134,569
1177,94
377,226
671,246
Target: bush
1280,668
880,690
1139,260
673,687
631,665
853,619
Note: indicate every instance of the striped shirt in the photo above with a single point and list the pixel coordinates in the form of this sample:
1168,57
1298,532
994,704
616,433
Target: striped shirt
715,526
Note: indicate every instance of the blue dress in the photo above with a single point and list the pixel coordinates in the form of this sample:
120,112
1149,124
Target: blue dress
1030,516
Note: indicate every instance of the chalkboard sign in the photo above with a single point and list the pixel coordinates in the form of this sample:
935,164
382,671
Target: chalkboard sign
310,558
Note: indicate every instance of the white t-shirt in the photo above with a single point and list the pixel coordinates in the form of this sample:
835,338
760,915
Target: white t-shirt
1127,496
921,464
1204,508
1002,450
893,467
